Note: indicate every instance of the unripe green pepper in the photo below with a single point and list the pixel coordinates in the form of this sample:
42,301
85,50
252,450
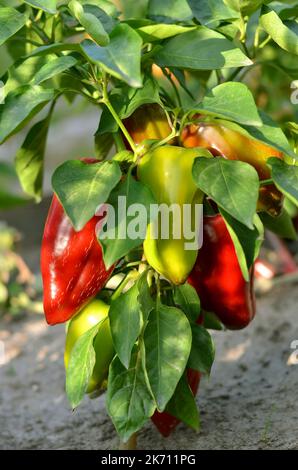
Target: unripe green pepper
95,312
167,171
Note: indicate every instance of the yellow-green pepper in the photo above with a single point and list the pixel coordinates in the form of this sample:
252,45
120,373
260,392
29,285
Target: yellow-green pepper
95,312
167,171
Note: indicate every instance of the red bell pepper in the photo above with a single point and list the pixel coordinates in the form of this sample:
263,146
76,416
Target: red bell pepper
218,279
72,265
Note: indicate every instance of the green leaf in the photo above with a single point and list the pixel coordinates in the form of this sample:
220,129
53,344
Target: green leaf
212,322
53,68
233,101
81,365
124,156
157,31
247,7
201,49
246,242
106,5
11,21
90,22
183,405
269,133
49,6
202,350
55,49
103,144
290,208
20,106
121,57
126,225
125,310
233,185
22,72
107,21
129,401
286,11
282,225
82,188
172,9
211,12
29,159
280,33
187,299
285,178
167,340
144,298
125,101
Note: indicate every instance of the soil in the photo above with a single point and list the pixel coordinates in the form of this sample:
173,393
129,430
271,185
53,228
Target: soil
249,402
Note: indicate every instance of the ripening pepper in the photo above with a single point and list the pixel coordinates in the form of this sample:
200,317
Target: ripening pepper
147,122
72,265
222,141
167,172
95,312
165,422
218,279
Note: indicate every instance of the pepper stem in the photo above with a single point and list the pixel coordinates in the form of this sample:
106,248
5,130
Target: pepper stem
130,276
131,444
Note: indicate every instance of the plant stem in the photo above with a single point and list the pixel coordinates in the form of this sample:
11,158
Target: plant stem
266,182
157,280
131,444
131,275
39,15
29,41
43,36
105,100
168,75
256,40
134,263
234,74
171,136
265,42
54,25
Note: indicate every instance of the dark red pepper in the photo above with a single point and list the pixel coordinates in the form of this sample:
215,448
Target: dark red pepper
165,422
218,279
72,265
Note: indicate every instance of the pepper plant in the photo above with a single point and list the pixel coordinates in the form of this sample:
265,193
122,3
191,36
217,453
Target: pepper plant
174,83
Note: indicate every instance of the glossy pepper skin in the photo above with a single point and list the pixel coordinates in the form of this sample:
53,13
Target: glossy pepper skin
147,122
72,265
218,279
167,172
165,422
96,311
230,144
